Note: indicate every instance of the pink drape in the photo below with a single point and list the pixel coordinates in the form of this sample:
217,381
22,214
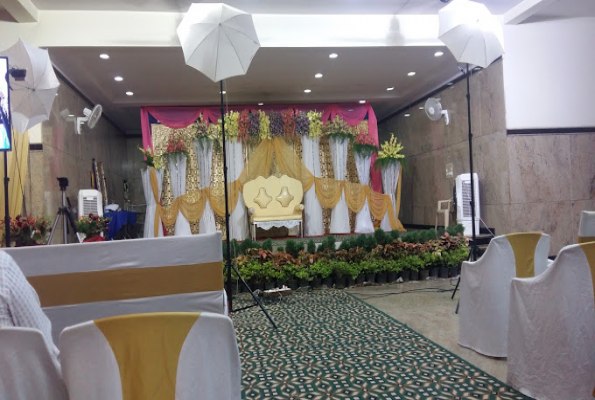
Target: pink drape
181,117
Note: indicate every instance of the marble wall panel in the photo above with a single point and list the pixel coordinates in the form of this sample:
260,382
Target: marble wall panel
577,207
582,166
490,156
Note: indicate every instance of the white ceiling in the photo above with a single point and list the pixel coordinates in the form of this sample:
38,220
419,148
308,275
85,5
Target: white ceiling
275,6
560,9
158,76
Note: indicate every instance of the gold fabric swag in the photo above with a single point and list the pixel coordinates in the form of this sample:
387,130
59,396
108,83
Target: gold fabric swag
328,191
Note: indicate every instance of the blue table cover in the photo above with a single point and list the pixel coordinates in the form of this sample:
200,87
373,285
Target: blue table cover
117,221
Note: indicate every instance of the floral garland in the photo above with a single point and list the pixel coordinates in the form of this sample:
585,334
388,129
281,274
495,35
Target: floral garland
276,123
232,133
390,153
364,145
339,130
288,123
315,119
264,131
302,124
151,160
175,146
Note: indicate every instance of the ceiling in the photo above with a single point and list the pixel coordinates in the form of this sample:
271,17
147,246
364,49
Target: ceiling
560,9
159,76
274,6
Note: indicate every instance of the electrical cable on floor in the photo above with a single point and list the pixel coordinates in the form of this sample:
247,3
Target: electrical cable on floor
364,295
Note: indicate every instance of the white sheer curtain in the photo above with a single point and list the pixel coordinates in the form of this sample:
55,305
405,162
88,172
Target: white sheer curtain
149,229
312,210
390,179
177,173
363,219
340,213
238,224
204,159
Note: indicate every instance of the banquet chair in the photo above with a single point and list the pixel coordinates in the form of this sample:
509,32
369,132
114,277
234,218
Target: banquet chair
485,288
27,369
552,328
163,356
586,230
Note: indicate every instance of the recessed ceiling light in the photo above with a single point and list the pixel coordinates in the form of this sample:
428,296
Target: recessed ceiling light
406,115
390,88
118,79
129,93
261,104
449,84
438,54
410,73
362,101
56,94
318,75
333,55
104,56
71,115
421,108
223,92
307,90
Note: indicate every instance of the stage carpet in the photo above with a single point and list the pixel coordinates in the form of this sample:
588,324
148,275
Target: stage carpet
331,345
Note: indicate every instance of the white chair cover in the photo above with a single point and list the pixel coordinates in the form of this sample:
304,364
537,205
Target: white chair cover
58,262
340,213
27,369
552,328
107,359
586,230
390,180
177,174
204,159
485,288
149,228
313,225
363,219
238,221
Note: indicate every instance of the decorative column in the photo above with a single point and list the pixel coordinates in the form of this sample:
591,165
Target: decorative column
204,158
177,173
363,219
390,180
238,223
313,225
340,213
149,228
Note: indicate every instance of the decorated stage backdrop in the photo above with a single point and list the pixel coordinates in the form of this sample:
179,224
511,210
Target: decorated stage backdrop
280,140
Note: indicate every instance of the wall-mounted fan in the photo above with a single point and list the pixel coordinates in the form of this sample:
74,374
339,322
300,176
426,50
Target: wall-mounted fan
91,118
434,110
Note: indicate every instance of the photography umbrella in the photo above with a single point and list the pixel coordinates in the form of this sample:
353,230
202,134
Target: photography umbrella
220,41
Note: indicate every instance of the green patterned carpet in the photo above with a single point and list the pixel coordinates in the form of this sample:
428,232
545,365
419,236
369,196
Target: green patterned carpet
330,345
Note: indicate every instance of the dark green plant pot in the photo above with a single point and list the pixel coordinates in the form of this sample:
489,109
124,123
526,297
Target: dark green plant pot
292,284
381,277
316,283
424,274
371,277
303,283
392,276
360,279
328,282
414,275
453,272
340,281
258,286
434,272
269,285
350,281
405,274
443,272
281,283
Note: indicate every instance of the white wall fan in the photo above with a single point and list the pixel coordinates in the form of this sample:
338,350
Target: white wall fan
434,110
91,117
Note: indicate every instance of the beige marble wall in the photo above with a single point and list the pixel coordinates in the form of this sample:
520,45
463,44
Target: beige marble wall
67,154
132,169
527,182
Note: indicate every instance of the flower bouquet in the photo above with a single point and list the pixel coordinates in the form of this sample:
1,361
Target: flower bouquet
175,147
264,129
232,127
205,134
315,125
339,130
276,124
390,153
151,160
92,227
364,145
302,124
254,127
28,231
288,123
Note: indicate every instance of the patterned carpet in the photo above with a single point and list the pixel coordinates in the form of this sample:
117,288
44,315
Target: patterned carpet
330,345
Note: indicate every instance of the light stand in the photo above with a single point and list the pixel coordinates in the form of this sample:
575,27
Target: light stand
64,213
4,117
228,264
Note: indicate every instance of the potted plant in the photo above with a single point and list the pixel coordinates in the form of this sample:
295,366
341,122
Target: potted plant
28,231
322,270
92,227
339,130
393,268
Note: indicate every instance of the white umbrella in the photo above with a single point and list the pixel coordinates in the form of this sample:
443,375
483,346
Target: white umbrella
218,40
31,99
471,32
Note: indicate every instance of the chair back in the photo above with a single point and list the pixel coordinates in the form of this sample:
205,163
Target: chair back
27,369
530,250
273,196
165,356
586,230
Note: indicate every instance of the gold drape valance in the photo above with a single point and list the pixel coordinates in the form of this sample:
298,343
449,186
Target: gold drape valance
328,191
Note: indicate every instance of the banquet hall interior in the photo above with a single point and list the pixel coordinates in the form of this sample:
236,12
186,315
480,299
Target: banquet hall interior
301,199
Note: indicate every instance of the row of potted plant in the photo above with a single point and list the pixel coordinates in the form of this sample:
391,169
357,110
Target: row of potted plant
377,258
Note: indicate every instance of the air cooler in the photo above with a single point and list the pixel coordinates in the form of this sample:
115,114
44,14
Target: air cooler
463,187
90,202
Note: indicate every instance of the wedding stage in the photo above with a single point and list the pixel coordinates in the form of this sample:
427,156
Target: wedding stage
329,149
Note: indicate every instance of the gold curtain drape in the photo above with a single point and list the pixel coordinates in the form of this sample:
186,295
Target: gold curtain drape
17,173
260,163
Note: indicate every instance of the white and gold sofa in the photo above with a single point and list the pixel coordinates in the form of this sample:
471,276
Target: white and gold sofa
274,202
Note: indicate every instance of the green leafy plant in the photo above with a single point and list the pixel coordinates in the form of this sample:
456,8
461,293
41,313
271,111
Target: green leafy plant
293,248
381,237
267,244
311,247
321,269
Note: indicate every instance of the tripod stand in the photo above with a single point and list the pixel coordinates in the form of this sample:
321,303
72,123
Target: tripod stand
63,212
